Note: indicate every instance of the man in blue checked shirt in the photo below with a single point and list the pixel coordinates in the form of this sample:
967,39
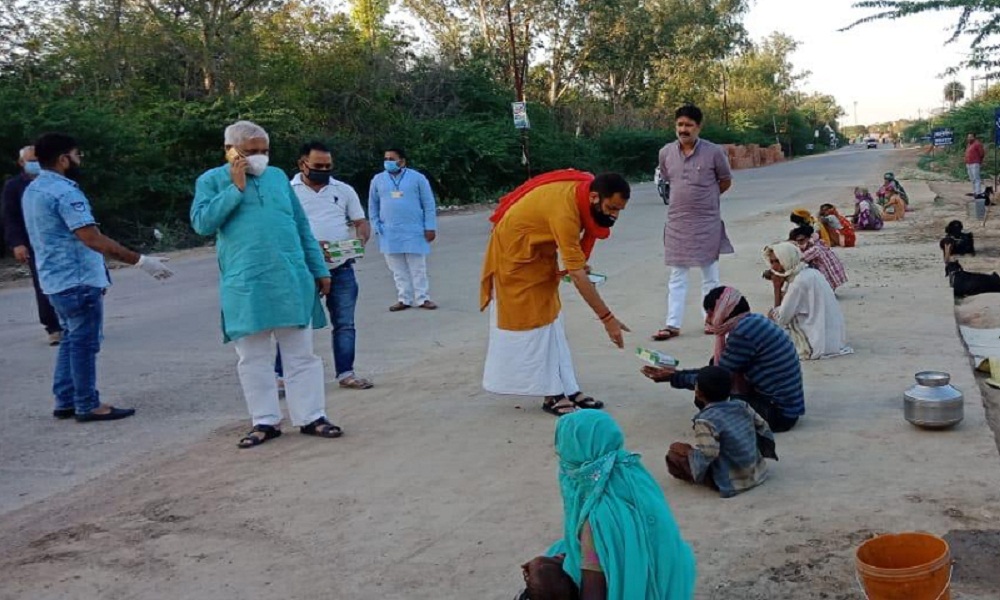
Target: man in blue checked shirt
69,252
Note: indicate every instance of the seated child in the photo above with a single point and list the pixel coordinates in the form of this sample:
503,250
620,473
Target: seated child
731,440
956,241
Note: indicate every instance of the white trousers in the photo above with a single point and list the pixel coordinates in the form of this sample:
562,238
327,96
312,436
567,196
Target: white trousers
677,291
536,362
977,183
409,271
304,391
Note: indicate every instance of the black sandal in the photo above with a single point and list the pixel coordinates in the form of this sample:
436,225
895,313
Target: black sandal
550,402
250,440
585,402
321,427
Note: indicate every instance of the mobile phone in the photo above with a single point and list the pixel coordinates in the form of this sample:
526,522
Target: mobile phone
232,154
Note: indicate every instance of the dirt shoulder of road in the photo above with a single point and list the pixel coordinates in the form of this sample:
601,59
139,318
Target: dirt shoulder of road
439,490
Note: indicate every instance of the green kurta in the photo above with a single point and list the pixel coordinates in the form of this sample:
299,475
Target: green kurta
268,258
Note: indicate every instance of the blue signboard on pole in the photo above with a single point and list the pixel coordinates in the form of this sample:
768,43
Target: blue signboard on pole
942,136
996,125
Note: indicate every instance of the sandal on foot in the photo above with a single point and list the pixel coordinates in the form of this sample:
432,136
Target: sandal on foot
321,427
585,402
356,383
428,305
398,307
64,413
250,440
665,334
558,405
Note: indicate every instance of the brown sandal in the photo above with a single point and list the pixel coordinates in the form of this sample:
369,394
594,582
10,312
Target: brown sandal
398,307
665,334
356,383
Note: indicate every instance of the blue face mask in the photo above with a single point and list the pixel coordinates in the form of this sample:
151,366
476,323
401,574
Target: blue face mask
32,168
392,166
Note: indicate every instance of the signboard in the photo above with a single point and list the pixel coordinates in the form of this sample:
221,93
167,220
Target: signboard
520,110
996,125
942,136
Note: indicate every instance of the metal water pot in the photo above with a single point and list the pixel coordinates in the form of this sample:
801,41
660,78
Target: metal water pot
933,403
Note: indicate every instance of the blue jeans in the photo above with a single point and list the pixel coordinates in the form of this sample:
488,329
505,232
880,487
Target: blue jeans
81,314
340,304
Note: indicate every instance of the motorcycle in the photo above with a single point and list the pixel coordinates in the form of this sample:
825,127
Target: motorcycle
662,187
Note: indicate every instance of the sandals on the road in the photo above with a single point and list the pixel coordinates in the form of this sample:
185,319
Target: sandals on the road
250,440
356,383
665,334
558,405
561,405
398,307
585,402
322,427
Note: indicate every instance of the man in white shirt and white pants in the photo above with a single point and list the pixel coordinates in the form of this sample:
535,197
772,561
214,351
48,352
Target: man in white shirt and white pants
333,209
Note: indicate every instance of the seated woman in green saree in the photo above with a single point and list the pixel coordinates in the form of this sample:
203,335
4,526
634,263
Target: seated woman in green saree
621,541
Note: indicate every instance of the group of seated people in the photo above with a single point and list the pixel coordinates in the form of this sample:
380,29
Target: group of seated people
891,205
620,540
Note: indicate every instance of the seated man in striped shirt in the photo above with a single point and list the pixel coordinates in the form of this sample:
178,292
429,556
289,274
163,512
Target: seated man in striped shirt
766,371
731,440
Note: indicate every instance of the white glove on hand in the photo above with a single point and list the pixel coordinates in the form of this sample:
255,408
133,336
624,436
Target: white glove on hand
155,266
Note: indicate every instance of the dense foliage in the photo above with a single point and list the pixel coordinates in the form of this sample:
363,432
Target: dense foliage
148,86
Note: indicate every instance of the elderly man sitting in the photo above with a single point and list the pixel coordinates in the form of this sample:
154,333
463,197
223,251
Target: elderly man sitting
271,268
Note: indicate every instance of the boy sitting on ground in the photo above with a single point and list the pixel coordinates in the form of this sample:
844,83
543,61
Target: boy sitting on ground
731,440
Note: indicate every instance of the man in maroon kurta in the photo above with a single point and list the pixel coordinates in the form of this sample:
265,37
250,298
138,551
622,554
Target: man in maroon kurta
974,155
694,234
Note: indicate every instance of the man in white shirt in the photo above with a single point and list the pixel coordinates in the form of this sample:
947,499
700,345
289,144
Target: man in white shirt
333,209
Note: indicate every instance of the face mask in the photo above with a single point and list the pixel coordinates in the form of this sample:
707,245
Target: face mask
256,164
392,166
601,218
32,168
320,177
73,172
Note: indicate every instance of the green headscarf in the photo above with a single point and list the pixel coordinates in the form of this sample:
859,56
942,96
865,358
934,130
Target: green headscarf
639,545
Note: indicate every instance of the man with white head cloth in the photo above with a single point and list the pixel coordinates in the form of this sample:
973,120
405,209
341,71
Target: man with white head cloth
272,274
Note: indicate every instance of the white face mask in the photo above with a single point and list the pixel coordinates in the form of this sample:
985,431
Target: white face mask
256,164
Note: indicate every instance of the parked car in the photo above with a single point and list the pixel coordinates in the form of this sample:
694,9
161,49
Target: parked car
871,143
662,186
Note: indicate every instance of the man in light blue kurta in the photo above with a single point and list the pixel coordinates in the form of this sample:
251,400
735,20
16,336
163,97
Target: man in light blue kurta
270,266
404,215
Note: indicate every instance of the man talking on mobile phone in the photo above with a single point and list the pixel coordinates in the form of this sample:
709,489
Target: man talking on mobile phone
271,268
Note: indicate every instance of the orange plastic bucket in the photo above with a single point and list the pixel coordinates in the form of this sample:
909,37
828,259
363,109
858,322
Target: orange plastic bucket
905,566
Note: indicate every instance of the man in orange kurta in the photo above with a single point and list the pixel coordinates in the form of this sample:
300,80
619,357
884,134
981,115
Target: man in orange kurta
555,217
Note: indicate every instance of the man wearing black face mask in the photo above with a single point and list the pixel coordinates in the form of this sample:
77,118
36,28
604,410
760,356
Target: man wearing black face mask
333,208
550,219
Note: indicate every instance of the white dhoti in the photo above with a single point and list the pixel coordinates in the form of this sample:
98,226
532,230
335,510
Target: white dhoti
536,362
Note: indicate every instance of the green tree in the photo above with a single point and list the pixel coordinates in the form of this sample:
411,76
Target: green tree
954,92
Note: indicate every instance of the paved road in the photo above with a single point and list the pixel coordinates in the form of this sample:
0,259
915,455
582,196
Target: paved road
163,352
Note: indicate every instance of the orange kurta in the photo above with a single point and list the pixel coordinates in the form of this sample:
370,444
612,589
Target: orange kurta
521,267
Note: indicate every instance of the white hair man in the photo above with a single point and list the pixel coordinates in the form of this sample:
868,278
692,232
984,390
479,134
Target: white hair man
272,275
15,235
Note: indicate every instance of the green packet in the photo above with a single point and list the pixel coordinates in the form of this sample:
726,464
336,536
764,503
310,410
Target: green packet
595,278
656,358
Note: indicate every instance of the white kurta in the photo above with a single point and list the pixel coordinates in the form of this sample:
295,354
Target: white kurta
813,317
536,362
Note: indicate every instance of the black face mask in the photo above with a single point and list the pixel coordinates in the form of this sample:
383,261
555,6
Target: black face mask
601,218
73,172
320,177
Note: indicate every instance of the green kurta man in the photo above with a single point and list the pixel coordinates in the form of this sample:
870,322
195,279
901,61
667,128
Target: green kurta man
272,274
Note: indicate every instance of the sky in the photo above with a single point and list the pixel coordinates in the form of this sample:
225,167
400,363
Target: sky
891,68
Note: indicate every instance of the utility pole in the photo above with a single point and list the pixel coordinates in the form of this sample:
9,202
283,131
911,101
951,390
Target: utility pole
855,113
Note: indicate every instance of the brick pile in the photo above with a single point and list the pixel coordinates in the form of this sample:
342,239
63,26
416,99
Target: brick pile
752,155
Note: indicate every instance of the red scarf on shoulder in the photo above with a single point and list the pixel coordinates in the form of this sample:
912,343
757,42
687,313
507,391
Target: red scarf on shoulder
591,230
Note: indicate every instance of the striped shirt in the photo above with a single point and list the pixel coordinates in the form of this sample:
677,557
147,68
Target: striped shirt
725,447
764,354
820,257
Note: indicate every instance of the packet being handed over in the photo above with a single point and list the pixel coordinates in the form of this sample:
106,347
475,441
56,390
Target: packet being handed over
656,358
595,278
